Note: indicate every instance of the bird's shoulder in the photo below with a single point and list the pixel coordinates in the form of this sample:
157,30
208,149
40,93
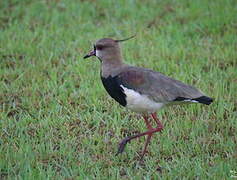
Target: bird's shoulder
139,77
154,84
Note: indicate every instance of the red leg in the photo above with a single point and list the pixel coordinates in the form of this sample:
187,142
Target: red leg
159,128
159,124
149,133
149,127
146,144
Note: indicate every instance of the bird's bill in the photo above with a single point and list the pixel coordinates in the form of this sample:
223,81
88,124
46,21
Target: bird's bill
91,53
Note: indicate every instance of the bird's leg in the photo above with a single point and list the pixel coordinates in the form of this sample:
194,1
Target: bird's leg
159,128
146,119
127,139
149,133
149,127
159,124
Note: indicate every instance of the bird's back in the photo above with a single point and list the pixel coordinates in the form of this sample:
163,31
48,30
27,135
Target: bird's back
158,87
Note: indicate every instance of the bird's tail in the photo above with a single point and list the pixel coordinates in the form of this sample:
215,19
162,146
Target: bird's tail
204,100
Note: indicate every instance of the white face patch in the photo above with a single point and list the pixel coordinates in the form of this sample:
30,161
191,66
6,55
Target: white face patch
97,53
140,103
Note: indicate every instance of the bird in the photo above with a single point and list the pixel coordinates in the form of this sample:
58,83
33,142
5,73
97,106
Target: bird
139,89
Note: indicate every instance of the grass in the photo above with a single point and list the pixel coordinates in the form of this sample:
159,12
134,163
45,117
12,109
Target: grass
56,119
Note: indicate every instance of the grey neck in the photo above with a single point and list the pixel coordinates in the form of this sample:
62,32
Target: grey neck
111,68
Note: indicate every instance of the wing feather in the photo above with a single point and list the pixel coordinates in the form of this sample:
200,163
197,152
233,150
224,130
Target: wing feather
155,85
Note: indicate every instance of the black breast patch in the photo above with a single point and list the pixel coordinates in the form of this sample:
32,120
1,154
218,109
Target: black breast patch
112,86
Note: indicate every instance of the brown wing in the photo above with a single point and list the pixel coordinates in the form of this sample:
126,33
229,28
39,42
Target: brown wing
155,85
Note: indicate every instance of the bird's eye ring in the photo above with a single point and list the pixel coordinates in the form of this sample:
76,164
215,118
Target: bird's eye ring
99,47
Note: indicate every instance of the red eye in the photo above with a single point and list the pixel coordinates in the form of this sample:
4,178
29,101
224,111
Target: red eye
99,47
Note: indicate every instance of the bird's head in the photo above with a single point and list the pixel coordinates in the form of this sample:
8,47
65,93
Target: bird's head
106,49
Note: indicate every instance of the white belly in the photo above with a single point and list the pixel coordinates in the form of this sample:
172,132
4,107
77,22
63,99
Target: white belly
140,103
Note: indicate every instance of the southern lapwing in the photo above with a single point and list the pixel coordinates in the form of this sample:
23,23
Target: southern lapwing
142,90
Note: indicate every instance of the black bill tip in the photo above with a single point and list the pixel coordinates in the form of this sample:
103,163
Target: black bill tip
91,53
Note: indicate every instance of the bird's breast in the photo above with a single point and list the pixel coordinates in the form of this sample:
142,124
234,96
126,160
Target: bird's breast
112,86
139,102
129,97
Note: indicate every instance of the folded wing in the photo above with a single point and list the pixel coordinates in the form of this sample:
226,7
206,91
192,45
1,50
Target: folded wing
159,87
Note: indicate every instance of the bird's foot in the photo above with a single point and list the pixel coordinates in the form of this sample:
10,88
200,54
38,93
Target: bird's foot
122,145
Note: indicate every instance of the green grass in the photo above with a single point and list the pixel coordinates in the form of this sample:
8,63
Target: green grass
56,119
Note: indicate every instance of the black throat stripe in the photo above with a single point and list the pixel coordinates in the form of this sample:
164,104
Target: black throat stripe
112,86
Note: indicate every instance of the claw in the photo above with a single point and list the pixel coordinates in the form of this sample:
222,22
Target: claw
122,146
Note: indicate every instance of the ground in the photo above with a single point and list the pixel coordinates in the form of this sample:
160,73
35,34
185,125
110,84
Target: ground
57,121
